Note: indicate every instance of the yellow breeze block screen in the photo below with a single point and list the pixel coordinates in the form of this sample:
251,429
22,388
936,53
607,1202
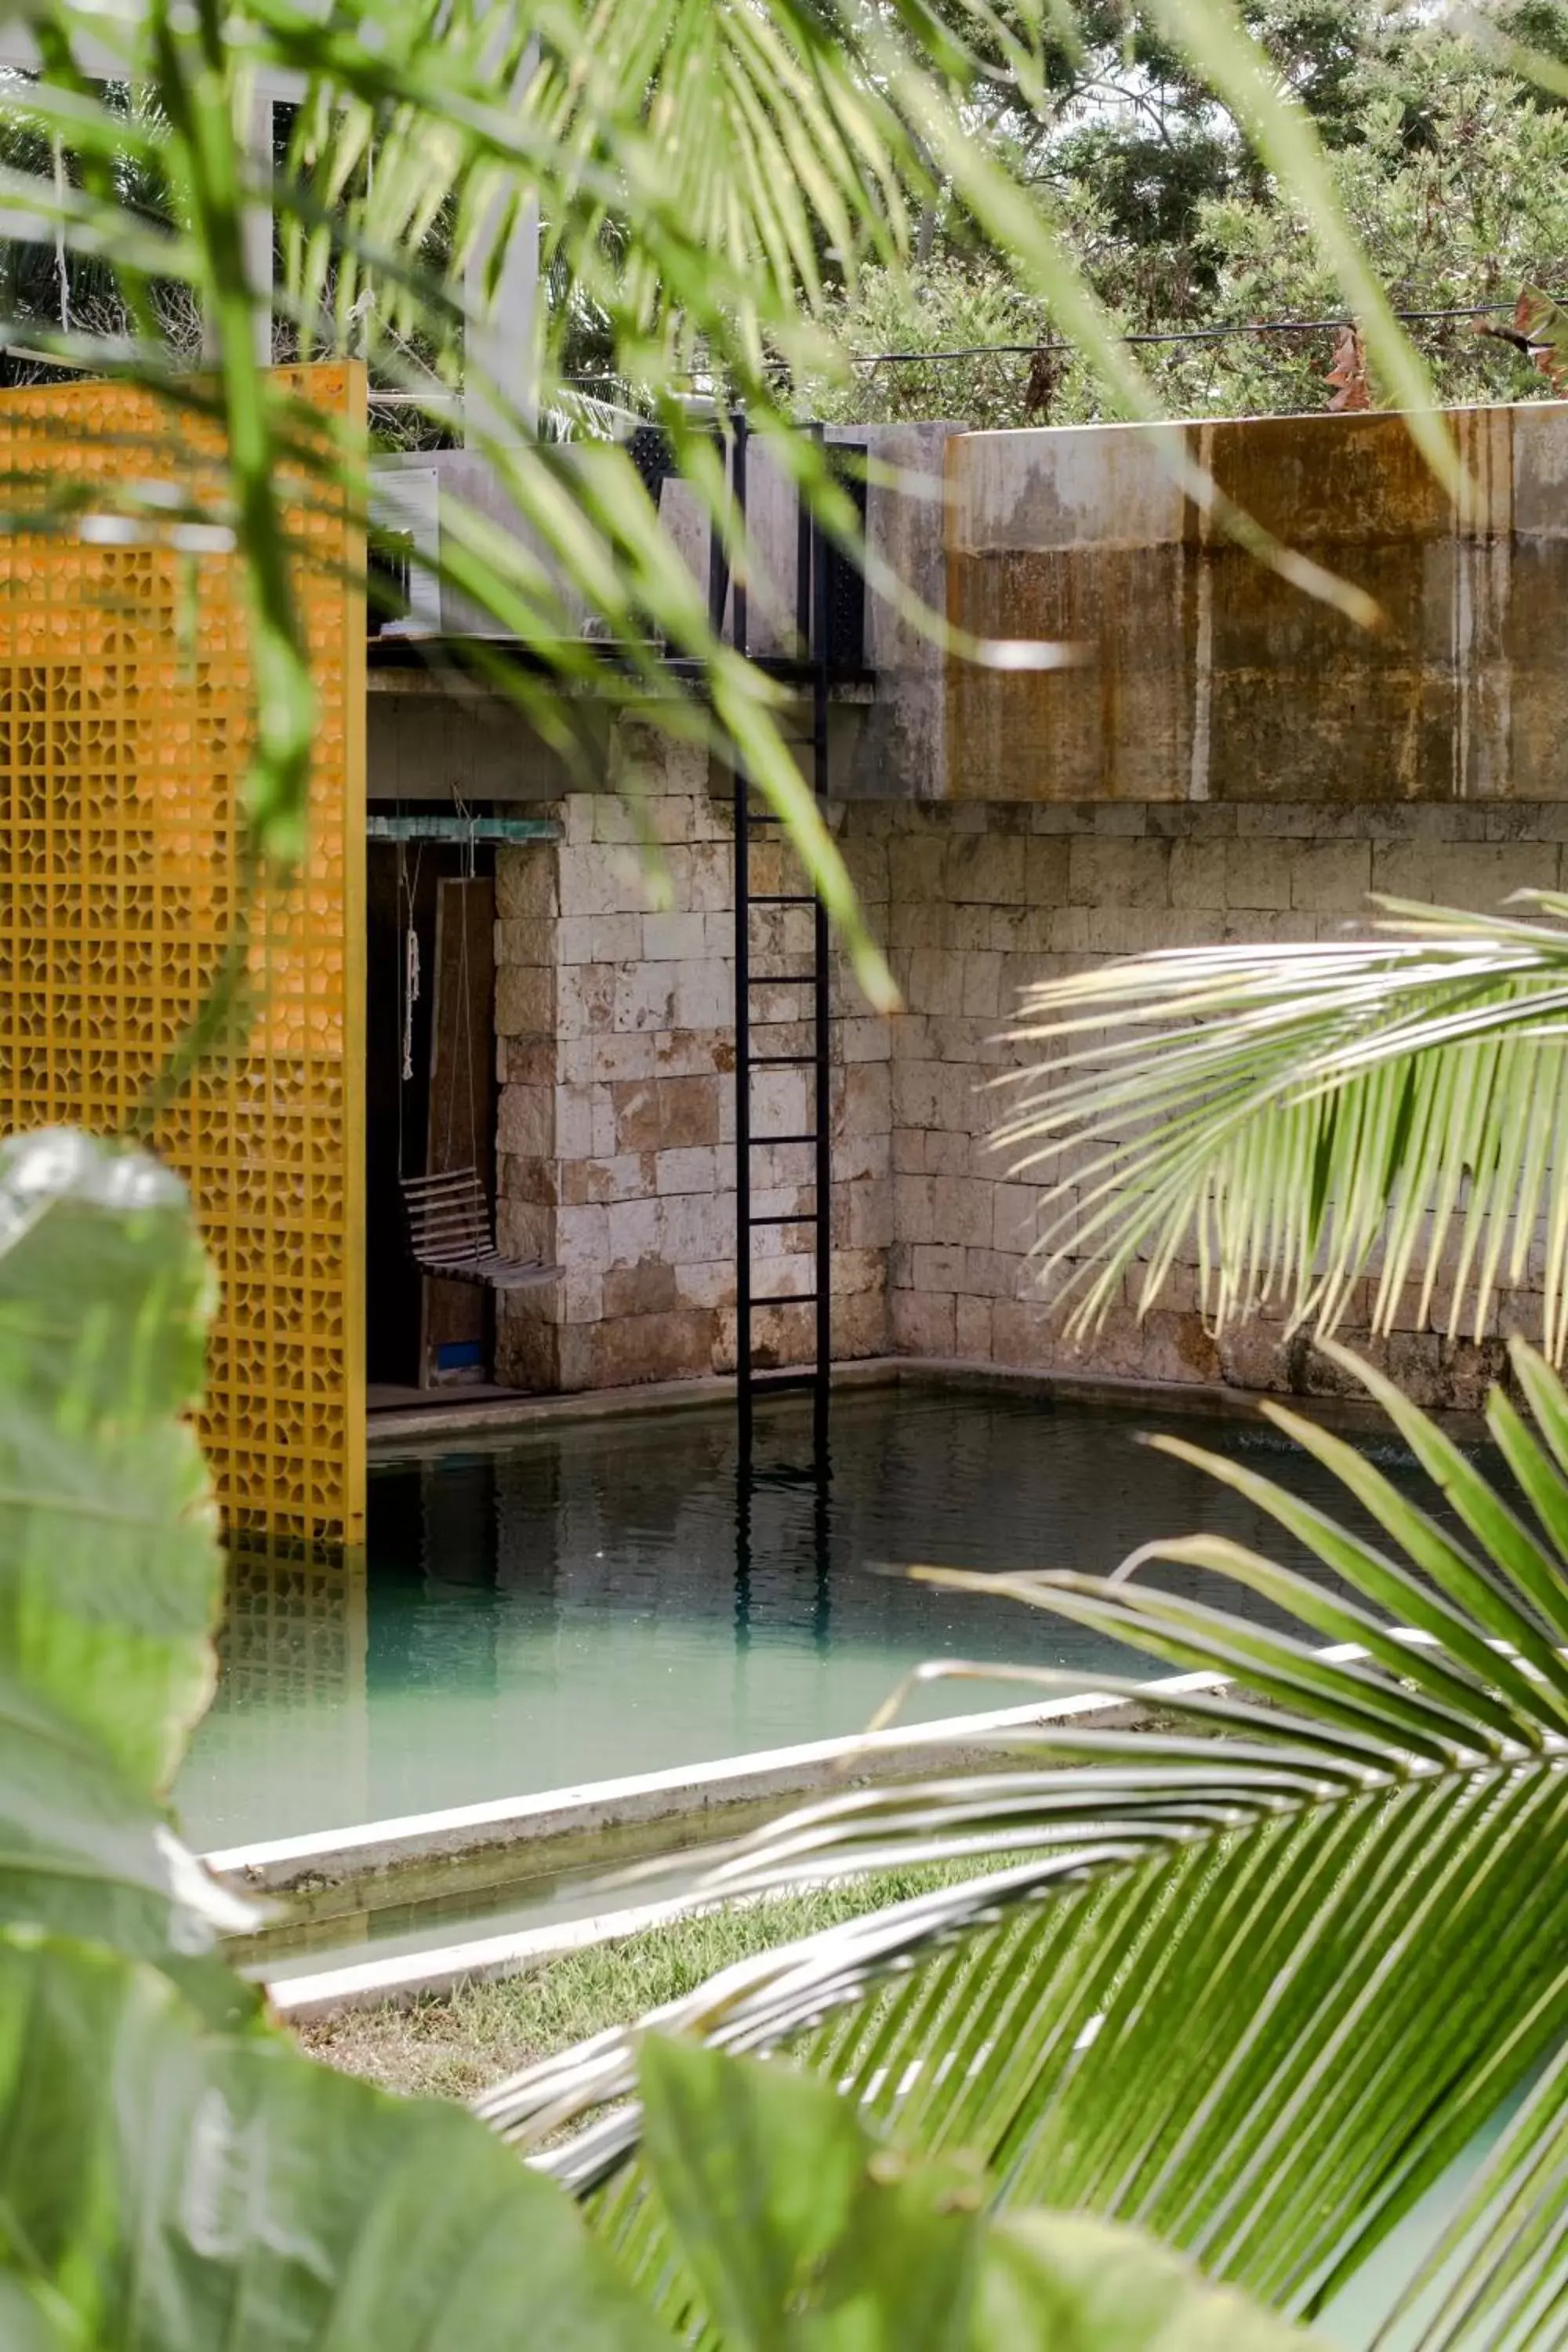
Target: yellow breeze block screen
124,721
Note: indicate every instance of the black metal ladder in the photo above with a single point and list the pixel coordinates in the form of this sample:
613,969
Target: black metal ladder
811,978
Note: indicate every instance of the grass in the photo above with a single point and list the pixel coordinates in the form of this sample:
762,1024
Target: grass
452,2045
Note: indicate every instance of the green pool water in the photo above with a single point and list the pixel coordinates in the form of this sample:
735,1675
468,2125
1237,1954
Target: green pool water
606,1597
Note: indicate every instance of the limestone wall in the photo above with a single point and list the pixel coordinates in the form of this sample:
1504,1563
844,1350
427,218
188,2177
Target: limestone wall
614,1008
985,900
615,1022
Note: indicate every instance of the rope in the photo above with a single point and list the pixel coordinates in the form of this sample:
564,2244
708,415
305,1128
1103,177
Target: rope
408,981
465,1016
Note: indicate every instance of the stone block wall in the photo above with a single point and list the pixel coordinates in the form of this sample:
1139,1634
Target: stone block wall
1226,759
984,899
614,1016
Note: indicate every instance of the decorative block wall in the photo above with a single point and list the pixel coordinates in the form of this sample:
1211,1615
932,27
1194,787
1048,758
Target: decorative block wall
124,719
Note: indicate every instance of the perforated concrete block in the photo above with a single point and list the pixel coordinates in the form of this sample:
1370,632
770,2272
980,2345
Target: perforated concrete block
125,729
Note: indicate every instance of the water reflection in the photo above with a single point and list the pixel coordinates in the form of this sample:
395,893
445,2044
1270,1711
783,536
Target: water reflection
291,1714
615,1597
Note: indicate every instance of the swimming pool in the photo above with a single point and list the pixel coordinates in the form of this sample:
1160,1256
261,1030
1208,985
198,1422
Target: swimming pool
601,1597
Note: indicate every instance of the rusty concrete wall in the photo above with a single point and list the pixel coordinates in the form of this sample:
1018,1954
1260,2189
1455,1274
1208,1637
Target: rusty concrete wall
1210,677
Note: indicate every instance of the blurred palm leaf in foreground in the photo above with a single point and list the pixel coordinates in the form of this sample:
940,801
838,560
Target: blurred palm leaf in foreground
1296,1118
1255,1993
702,174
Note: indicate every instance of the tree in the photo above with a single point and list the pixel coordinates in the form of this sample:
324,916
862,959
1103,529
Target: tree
1447,156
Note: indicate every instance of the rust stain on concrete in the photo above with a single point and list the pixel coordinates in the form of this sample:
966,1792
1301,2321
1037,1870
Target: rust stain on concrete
1214,678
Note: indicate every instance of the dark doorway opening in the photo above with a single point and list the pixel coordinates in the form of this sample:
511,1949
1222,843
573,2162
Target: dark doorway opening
430,1096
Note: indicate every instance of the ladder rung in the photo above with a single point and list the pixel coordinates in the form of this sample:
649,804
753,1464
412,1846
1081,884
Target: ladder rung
790,1298
780,1061
758,1142
795,1217
783,979
782,899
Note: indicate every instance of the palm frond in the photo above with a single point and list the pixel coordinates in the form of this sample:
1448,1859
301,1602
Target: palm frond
691,166
1495,2275
1291,1119
696,165
1255,1993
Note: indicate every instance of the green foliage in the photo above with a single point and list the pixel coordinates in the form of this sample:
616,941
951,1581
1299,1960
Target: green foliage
1081,2285
83,1853
1448,158
1310,1115
173,2187
800,2233
172,2174
805,2231
110,1567
1249,1992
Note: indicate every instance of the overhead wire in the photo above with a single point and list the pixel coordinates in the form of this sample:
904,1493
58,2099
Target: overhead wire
1134,335
1167,335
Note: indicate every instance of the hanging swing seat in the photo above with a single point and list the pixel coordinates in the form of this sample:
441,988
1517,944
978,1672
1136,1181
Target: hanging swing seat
450,1236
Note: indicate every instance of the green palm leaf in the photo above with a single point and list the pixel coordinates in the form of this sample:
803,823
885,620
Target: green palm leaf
109,1566
1253,1993
1497,2274
700,168
1294,1118
805,2231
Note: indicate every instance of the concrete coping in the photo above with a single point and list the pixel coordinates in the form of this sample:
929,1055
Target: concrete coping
410,1976
402,1432
405,1975
324,1857
395,1846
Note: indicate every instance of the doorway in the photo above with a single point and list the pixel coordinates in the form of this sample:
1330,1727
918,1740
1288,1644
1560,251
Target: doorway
430,1096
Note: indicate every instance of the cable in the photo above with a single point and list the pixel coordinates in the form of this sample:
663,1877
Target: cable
1163,335
1136,335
